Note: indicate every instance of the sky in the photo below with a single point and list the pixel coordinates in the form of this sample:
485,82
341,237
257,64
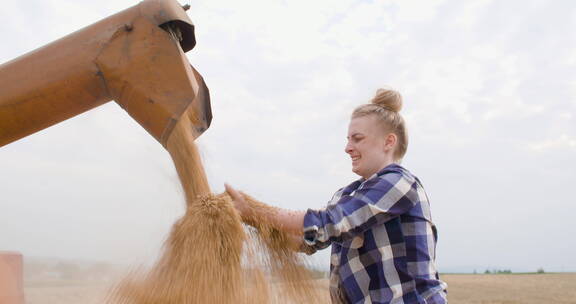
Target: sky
489,93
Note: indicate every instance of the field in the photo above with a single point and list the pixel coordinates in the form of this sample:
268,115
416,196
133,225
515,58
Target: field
512,288
464,289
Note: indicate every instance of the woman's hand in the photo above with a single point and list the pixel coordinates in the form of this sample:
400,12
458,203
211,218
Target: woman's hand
238,200
287,221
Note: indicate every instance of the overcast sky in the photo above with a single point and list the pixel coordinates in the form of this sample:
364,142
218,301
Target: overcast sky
489,98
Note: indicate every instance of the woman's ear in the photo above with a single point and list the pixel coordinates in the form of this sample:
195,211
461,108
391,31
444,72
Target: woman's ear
390,142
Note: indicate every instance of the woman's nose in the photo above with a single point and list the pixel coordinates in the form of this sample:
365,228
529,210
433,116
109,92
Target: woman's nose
348,148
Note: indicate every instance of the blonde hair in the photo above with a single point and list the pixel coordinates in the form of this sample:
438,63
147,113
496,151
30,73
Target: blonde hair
386,105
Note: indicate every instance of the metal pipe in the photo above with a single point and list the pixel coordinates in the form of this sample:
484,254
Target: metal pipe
11,280
127,57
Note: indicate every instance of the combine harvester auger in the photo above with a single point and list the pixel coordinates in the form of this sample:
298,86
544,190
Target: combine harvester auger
135,57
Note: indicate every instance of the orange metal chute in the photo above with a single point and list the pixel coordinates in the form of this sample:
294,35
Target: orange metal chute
129,57
135,57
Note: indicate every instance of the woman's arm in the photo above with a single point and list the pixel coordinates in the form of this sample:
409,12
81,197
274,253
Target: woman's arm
375,203
288,221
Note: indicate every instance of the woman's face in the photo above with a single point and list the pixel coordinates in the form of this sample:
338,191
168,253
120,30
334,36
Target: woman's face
368,145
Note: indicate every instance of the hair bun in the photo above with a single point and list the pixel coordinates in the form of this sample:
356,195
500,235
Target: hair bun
389,99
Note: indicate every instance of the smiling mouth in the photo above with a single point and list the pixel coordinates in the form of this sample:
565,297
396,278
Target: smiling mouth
355,158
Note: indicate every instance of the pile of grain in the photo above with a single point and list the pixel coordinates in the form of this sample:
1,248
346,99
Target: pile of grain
210,256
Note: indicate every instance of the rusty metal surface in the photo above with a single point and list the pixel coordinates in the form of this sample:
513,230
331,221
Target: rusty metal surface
162,11
126,57
11,279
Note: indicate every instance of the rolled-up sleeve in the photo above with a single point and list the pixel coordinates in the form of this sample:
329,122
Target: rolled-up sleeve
377,201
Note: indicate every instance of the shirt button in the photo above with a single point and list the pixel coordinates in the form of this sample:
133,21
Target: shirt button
335,259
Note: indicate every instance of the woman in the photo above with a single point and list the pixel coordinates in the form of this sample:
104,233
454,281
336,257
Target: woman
382,236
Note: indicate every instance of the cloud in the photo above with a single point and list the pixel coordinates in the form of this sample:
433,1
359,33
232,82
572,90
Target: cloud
562,142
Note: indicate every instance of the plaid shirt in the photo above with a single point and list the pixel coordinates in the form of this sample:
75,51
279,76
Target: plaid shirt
383,241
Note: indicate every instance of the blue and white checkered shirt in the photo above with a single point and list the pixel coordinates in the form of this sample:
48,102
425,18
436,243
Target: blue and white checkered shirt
383,241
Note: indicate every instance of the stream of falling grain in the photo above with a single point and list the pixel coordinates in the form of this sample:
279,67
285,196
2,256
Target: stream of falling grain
210,256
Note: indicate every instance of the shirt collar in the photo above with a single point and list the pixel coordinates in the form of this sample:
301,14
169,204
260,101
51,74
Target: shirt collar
393,167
